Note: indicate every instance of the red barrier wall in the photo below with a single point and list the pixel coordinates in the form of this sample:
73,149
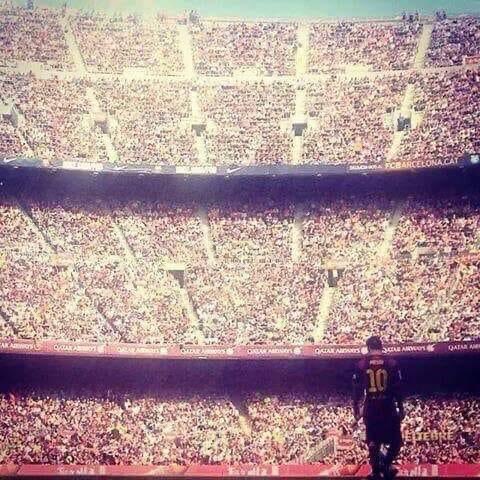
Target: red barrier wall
314,470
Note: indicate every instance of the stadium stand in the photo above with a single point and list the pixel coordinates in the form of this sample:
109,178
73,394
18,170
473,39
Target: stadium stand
145,266
246,123
345,231
38,296
246,233
111,429
129,273
17,235
448,225
74,230
445,104
55,121
454,41
199,92
158,50
400,299
149,121
262,303
142,304
11,143
223,49
161,232
33,35
379,46
350,122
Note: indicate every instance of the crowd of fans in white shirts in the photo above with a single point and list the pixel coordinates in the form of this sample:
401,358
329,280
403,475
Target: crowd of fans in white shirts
168,429
124,270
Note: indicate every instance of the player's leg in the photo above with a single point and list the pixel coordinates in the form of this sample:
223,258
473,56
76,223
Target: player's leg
374,455
373,431
394,445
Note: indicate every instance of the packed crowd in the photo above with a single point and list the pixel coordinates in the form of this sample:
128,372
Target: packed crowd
74,228
351,120
56,121
117,429
446,106
161,232
223,49
142,302
401,300
345,231
38,289
150,121
454,42
35,35
74,266
11,143
462,316
41,299
253,275
249,232
459,416
379,46
450,225
112,44
260,303
248,123
17,235
162,429
139,122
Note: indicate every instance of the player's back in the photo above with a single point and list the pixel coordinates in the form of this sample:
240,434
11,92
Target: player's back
378,376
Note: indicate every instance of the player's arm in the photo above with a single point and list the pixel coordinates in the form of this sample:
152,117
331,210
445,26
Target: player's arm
397,389
357,388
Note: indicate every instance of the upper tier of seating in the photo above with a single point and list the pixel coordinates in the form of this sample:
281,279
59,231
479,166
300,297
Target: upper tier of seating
113,43
342,121
184,91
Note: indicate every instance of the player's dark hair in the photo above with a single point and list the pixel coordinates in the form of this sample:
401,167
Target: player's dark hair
374,343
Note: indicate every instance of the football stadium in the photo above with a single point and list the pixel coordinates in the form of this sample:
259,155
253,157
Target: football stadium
239,240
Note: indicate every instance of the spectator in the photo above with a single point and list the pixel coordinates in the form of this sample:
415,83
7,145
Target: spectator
221,48
378,46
